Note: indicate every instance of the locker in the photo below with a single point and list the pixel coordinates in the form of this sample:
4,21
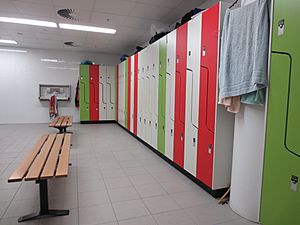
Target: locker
128,85
125,86
94,93
154,78
84,93
110,92
117,92
132,93
180,94
162,94
141,100
192,94
135,93
282,155
103,93
147,99
170,92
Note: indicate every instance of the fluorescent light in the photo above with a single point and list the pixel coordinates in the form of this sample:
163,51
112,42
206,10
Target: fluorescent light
62,68
87,28
28,22
52,60
8,41
11,50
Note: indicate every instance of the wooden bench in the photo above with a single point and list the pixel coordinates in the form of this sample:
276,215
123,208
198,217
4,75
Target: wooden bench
49,158
61,123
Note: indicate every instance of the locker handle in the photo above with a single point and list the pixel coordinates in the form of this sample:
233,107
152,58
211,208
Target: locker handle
150,123
102,93
209,148
144,121
194,142
155,125
110,100
140,119
181,136
112,107
171,132
192,98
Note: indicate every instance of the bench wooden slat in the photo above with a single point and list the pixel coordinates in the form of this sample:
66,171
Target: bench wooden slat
23,168
50,166
63,163
59,122
54,121
70,121
38,164
65,121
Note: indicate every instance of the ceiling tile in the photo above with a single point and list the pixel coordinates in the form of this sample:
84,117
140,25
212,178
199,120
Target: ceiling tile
75,4
144,24
35,9
165,3
8,6
150,12
107,20
119,7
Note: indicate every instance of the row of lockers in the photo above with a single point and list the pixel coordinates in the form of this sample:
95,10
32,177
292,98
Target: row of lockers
97,93
167,96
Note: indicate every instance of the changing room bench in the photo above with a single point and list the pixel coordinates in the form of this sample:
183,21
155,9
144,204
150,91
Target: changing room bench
61,123
49,158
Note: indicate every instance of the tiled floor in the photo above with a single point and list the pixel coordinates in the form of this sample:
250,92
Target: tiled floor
114,180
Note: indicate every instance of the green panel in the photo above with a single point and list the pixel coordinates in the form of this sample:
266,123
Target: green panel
280,202
126,93
84,92
162,95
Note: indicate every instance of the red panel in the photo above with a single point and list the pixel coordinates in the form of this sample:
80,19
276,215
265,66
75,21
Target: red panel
135,97
94,93
117,100
128,92
180,87
207,99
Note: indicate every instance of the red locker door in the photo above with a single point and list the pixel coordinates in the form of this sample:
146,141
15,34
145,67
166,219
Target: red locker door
128,92
94,93
207,99
180,86
135,98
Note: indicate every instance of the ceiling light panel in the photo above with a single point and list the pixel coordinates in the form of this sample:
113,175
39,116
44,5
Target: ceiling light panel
11,50
28,22
8,41
87,28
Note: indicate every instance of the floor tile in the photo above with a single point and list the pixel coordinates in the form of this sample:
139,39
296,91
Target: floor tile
193,198
93,198
150,190
123,194
130,209
177,217
118,182
90,185
145,220
160,204
96,214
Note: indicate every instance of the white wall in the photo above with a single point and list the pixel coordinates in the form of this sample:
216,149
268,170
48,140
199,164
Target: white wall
21,74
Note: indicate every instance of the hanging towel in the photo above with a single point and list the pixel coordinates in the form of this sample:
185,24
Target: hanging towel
232,104
77,95
244,50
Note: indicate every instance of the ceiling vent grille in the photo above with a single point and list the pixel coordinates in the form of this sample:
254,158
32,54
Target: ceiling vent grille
67,14
71,43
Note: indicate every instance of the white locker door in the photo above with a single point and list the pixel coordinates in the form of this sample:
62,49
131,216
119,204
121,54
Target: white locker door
148,98
139,116
155,86
102,93
132,94
110,92
141,90
170,92
192,94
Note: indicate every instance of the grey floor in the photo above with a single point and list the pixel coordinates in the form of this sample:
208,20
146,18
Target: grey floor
114,180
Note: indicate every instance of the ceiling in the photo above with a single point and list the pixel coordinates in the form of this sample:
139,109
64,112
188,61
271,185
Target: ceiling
131,18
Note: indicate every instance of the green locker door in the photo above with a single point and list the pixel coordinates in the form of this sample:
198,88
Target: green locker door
126,94
281,192
84,92
162,95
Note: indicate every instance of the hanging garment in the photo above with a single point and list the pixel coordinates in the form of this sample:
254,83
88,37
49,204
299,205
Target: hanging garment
244,51
77,95
53,109
232,104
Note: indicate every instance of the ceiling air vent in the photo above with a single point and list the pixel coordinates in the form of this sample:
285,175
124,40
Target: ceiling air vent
70,43
67,13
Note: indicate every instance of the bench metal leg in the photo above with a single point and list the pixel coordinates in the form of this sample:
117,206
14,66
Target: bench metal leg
45,212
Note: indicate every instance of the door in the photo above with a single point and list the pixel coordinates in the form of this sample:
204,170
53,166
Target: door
135,108
162,94
132,93
180,94
170,92
207,99
103,92
94,92
192,94
110,92
84,93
